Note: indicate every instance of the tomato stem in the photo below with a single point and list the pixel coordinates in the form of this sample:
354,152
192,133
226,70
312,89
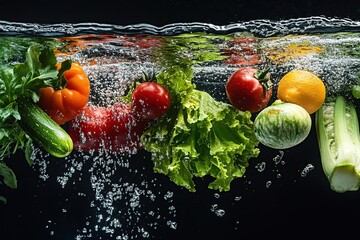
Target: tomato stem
148,76
263,77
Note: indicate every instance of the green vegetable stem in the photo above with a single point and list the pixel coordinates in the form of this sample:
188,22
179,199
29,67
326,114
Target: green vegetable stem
337,129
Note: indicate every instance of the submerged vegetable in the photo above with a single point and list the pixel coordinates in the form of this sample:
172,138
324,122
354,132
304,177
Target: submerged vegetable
282,125
199,136
63,102
249,89
43,130
150,100
337,129
116,129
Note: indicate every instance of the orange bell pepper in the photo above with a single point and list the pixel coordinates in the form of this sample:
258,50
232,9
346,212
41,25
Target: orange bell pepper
63,104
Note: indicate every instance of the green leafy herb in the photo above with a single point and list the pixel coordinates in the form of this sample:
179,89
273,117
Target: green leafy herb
18,81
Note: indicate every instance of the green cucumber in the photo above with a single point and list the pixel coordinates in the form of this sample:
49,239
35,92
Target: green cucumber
44,130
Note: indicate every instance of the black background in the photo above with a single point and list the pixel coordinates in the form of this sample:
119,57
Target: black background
293,206
161,12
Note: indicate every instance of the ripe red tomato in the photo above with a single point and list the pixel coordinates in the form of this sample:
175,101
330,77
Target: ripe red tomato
150,100
126,127
249,89
115,128
89,128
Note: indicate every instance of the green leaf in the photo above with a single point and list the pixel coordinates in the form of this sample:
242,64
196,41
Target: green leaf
8,175
10,110
6,86
29,152
12,138
13,48
47,58
32,60
3,199
35,72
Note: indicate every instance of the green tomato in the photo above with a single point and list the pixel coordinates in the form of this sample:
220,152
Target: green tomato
282,125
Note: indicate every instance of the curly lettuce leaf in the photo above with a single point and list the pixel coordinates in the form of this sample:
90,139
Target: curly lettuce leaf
199,136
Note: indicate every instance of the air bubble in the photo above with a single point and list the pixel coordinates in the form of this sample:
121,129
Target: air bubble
220,212
237,198
172,224
260,166
278,158
309,167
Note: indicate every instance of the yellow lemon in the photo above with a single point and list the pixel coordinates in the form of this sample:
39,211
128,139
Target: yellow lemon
302,88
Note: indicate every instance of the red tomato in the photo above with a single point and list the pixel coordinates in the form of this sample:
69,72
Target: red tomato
150,100
249,89
90,128
126,127
116,129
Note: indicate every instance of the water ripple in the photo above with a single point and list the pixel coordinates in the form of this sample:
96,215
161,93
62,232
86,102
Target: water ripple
260,27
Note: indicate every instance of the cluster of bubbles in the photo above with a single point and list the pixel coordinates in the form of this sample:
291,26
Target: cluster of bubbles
122,202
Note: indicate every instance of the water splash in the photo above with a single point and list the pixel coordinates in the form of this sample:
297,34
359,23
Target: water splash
260,27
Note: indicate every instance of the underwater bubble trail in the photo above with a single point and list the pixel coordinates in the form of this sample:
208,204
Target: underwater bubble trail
123,207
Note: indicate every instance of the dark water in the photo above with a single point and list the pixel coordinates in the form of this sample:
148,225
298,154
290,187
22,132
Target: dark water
101,196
